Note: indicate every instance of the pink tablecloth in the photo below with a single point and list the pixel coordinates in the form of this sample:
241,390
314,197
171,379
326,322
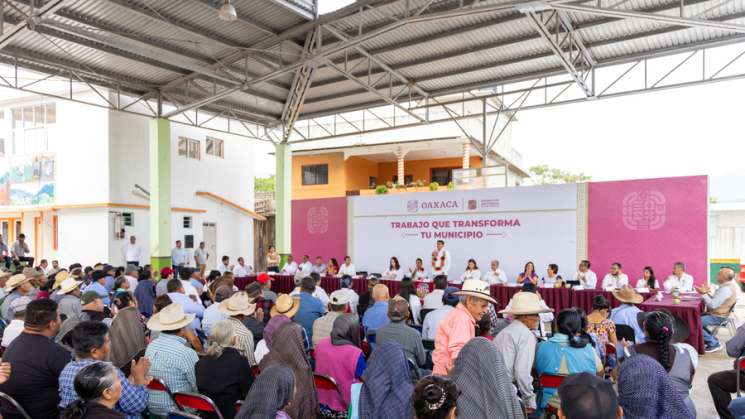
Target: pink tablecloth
688,310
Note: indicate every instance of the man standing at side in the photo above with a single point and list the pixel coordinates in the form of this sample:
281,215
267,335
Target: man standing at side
132,252
718,305
200,258
178,256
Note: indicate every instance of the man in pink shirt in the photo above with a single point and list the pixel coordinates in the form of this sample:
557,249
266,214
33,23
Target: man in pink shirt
459,326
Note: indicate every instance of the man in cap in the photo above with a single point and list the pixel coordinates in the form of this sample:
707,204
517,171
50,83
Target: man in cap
69,302
338,303
433,318
586,396
237,307
212,313
397,331
17,286
517,343
346,287
166,274
18,307
93,308
99,286
171,359
268,297
459,326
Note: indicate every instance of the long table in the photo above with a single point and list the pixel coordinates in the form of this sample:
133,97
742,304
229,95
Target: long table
689,310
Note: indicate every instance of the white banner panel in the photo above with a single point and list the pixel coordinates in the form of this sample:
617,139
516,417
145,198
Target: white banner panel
513,225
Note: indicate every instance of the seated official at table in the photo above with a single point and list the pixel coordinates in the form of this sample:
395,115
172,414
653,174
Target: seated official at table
306,267
347,268
649,280
679,279
319,268
472,272
615,279
552,276
332,268
585,277
394,271
290,267
418,272
528,274
495,275
718,305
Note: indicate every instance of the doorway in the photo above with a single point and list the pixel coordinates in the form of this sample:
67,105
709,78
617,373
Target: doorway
209,237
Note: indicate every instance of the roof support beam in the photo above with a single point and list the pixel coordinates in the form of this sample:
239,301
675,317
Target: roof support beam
300,87
31,20
295,7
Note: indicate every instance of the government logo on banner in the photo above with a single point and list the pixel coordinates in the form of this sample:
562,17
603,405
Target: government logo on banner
644,210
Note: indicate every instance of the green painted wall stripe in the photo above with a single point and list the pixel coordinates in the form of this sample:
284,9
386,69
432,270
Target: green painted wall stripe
160,190
283,198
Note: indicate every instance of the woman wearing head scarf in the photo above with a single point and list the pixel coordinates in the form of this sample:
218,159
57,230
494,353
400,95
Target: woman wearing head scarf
646,392
265,345
127,332
387,388
486,390
287,348
340,357
270,394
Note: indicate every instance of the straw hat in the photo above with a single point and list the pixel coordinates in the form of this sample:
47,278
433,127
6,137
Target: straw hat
5,274
285,305
68,285
237,304
476,288
628,295
15,281
32,273
59,278
172,317
524,303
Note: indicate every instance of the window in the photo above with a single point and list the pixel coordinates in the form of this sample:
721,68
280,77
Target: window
129,219
29,123
187,222
408,179
189,241
372,182
215,147
316,174
442,176
188,148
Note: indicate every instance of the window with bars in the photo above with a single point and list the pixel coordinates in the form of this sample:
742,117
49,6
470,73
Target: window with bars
187,221
316,174
215,147
189,148
29,128
128,219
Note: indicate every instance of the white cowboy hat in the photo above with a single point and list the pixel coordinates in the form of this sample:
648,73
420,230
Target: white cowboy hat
15,281
59,278
68,285
524,303
172,317
476,288
237,304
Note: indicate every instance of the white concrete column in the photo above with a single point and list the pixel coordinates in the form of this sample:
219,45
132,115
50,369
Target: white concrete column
466,155
400,154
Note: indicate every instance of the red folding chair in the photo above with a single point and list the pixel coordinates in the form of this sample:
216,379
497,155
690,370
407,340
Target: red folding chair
156,384
740,368
238,405
6,399
255,370
198,402
324,382
551,381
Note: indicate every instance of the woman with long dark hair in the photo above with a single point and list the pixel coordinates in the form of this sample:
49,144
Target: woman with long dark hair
649,280
472,271
569,351
394,271
659,328
333,267
528,274
98,388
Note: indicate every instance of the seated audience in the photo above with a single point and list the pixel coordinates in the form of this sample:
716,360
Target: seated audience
337,306
435,397
212,313
386,385
459,326
627,312
718,305
408,293
91,343
166,274
433,299
311,308
432,320
486,389
567,352
177,294
516,343
145,293
69,298
17,286
645,391
270,394
679,279
377,316
99,388
265,345
472,271
397,331
340,357
722,384
287,348
171,360
366,300
648,281
255,322
658,332
99,286
599,325
346,288
223,374
12,330
585,396
127,332
237,308
37,363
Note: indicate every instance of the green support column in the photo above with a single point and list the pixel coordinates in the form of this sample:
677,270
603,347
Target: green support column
160,193
283,198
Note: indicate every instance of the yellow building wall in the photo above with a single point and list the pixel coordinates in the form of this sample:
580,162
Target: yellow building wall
420,169
358,172
337,178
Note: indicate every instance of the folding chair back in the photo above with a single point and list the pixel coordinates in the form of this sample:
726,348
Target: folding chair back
178,414
740,363
324,382
198,402
625,332
255,370
156,384
238,405
428,344
551,381
8,401
415,373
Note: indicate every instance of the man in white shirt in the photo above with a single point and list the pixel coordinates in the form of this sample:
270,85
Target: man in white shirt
440,259
132,273
225,265
290,267
347,268
433,300
495,274
586,278
178,256
679,279
241,269
200,257
306,267
132,252
191,291
616,278
318,293
432,320
718,305
552,276
418,272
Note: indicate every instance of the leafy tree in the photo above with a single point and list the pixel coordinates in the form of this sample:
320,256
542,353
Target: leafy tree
544,175
264,184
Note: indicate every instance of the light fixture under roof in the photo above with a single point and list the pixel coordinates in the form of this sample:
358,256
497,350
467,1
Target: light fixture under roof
227,12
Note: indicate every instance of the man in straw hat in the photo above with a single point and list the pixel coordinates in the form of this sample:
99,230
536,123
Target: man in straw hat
4,275
627,312
58,278
237,307
286,305
459,326
171,359
517,342
17,286
69,302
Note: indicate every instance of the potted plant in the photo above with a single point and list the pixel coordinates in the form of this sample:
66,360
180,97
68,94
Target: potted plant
434,186
381,189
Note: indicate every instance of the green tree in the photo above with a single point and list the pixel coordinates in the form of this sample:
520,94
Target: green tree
264,184
545,175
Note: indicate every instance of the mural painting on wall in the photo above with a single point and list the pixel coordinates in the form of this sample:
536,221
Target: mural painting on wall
27,180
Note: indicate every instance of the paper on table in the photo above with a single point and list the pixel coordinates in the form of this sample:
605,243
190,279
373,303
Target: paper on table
642,290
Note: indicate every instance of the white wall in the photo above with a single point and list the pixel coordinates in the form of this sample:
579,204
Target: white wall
83,235
726,233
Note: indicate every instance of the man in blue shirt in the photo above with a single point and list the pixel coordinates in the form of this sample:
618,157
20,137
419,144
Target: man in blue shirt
99,286
177,295
626,313
377,316
311,308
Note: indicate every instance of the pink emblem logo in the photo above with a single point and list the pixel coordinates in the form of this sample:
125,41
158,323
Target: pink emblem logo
318,220
644,210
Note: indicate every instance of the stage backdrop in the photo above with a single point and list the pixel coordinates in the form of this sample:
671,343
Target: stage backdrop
319,228
513,225
652,222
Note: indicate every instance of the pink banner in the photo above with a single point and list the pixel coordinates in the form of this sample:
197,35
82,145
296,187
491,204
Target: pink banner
319,228
654,222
